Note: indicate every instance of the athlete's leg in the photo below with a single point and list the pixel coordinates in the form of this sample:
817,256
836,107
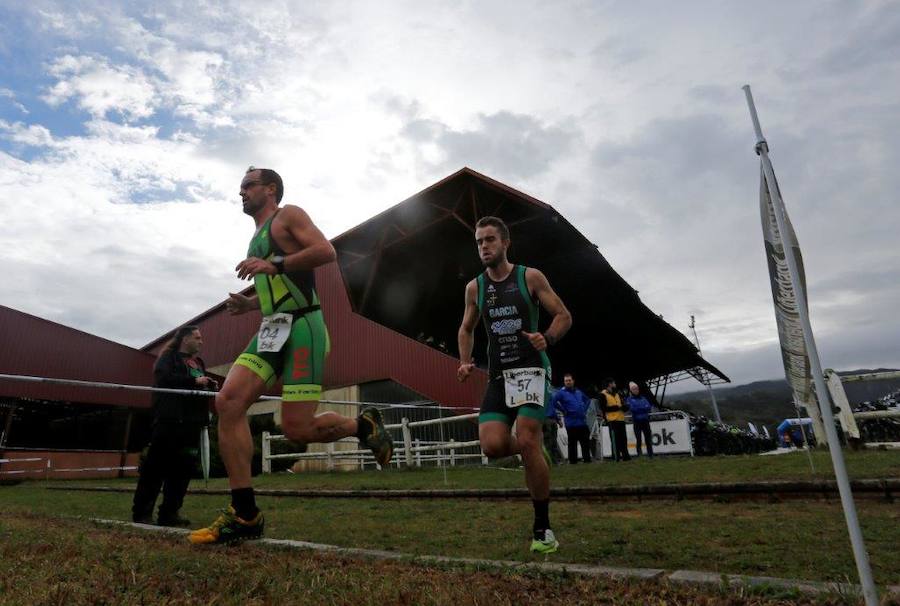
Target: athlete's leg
497,440
300,423
243,520
495,423
529,442
241,389
537,477
303,373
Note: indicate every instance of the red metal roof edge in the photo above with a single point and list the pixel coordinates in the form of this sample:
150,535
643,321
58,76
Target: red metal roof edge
507,189
402,202
59,326
465,170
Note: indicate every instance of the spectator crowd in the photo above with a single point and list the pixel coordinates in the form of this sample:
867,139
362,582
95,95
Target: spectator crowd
582,417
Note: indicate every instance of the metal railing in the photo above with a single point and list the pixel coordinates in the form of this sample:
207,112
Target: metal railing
414,452
878,414
45,467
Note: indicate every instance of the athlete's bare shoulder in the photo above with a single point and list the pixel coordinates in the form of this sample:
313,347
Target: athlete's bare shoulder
295,228
534,276
291,213
472,289
293,219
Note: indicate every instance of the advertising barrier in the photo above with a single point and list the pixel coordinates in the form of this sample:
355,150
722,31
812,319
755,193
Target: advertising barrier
671,435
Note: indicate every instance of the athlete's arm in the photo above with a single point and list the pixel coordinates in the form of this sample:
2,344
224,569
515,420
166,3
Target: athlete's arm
562,320
314,247
238,304
466,336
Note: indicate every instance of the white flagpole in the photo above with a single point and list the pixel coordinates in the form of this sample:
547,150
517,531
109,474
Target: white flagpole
863,567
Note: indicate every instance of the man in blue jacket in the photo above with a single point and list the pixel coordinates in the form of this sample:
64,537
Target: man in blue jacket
574,406
640,416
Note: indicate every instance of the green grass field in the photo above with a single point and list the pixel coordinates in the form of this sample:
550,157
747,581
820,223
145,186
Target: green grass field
798,539
64,561
795,539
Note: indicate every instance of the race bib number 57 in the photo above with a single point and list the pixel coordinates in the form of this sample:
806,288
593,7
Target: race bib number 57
524,386
274,332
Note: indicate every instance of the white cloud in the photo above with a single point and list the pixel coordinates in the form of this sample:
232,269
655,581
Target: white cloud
5,93
33,135
102,89
72,24
102,257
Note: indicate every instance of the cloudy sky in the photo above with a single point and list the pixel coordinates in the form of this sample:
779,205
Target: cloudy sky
125,130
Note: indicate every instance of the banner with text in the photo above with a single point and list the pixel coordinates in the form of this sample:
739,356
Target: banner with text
669,437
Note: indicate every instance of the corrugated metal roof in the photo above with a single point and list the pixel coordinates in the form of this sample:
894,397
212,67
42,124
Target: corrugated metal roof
37,347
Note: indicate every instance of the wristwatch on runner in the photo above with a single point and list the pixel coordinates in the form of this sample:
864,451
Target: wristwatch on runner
278,262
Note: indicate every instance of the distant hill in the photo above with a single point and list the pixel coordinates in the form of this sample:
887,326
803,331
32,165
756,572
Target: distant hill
768,402
761,402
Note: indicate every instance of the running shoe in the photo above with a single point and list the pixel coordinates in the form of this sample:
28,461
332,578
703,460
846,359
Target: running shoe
378,438
544,542
229,528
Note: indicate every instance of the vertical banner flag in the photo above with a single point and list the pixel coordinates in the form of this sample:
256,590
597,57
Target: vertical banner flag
798,344
787,316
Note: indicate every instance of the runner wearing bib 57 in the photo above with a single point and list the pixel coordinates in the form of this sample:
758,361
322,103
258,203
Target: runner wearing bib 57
506,298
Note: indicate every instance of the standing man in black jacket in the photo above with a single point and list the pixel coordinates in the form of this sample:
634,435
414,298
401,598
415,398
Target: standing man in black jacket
177,421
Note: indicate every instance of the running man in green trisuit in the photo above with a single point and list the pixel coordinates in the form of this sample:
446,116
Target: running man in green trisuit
506,298
292,343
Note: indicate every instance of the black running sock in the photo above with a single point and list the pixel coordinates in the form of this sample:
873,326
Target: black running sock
541,516
363,429
244,502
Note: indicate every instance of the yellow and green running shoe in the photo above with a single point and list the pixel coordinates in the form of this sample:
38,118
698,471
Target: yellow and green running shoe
544,542
229,528
378,439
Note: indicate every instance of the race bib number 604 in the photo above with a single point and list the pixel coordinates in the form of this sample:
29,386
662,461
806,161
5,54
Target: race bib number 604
524,386
274,332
